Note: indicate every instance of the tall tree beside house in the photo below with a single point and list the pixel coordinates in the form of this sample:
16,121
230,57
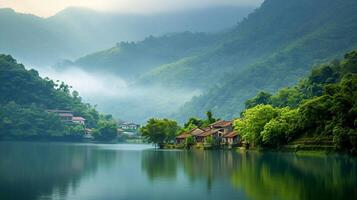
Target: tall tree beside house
193,122
160,131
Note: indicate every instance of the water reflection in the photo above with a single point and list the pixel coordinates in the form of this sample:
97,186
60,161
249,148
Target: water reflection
260,175
32,170
78,171
285,176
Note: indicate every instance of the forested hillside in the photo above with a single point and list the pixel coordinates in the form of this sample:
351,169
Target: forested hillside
322,106
131,59
272,48
25,99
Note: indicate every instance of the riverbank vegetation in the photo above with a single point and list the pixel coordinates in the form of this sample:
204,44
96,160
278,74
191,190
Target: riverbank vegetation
322,105
164,131
321,110
25,99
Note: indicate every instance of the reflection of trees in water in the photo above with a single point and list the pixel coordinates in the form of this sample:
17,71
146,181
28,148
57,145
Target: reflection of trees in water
197,165
208,165
29,170
159,164
260,175
285,176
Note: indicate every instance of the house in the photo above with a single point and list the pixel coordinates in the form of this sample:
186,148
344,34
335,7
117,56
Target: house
217,130
128,125
208,132
221,132
78,120
224,127
180,139
65,115
231,138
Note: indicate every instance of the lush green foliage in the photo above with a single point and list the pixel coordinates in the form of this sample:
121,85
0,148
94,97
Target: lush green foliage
193,122
265,125
24,99
106,130
189,141
160,131
275,46
209,140
324,104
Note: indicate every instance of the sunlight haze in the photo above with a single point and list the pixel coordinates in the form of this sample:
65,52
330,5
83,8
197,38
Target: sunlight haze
51,7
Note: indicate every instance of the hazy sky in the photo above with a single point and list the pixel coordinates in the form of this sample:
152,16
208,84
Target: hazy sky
50,7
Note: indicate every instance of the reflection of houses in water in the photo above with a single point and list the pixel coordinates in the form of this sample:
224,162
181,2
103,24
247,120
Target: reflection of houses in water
221,132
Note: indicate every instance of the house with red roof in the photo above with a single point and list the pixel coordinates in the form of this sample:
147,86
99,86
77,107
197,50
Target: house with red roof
221,131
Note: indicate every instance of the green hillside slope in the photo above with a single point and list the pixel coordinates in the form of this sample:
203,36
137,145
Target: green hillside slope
25,97
133,59
286,37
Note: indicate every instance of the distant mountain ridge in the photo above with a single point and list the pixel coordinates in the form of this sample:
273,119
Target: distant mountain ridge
272,48
77,31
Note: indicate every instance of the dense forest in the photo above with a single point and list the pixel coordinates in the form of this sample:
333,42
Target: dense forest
291,37
25,99
321,109
322,105
152,51
273,47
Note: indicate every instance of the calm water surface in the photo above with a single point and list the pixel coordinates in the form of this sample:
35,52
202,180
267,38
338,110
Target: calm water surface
104,172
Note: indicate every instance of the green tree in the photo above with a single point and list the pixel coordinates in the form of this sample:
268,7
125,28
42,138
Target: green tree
106,131
253,121
160,131
189,141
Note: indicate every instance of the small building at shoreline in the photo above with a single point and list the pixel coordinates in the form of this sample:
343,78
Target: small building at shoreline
221,132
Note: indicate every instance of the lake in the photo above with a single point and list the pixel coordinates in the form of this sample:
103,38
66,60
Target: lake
122,171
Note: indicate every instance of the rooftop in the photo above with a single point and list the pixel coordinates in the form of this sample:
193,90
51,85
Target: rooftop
231,134
78,119
221,124
209,132
183,136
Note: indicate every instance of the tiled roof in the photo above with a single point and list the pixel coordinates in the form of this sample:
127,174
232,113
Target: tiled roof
78,119
222,123
196,131
208,132
183,136
231,134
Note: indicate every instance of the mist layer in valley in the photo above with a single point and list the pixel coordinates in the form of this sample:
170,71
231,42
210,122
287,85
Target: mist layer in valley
114,95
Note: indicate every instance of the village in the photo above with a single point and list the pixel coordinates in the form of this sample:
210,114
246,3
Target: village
217,135
127,130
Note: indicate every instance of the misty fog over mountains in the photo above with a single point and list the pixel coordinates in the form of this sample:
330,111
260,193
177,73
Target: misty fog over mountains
75,32
182,63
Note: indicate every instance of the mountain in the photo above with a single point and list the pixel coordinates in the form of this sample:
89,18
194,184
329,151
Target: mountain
286,38
131,59
272,48
25,99
277,29
78,31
